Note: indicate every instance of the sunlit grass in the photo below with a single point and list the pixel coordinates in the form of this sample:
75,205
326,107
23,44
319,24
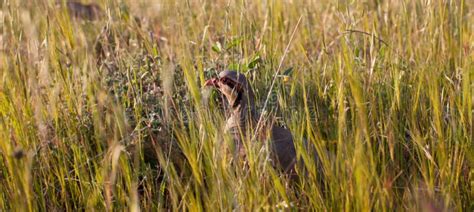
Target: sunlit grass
111,113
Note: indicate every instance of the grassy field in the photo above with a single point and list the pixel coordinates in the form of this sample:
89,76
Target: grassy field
111,113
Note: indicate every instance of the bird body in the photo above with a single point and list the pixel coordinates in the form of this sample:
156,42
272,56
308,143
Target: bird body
283,146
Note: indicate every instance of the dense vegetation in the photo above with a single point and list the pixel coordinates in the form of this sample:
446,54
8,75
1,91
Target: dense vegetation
109,111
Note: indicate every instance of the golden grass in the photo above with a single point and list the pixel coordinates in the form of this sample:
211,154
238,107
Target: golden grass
110,113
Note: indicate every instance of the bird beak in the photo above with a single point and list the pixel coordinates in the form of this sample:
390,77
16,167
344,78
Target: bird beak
211,82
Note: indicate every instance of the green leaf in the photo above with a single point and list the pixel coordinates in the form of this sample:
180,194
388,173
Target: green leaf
255,62
235,42
217,47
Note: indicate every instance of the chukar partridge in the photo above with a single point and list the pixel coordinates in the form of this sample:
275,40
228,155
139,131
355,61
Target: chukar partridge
244,119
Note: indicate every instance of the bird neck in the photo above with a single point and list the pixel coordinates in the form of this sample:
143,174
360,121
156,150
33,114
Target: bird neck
243,110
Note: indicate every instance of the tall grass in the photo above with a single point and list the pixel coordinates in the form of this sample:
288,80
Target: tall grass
111,113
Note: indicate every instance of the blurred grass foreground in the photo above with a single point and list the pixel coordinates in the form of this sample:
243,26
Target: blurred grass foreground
102,104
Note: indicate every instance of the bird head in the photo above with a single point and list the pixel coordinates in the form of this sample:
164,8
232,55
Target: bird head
235,87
